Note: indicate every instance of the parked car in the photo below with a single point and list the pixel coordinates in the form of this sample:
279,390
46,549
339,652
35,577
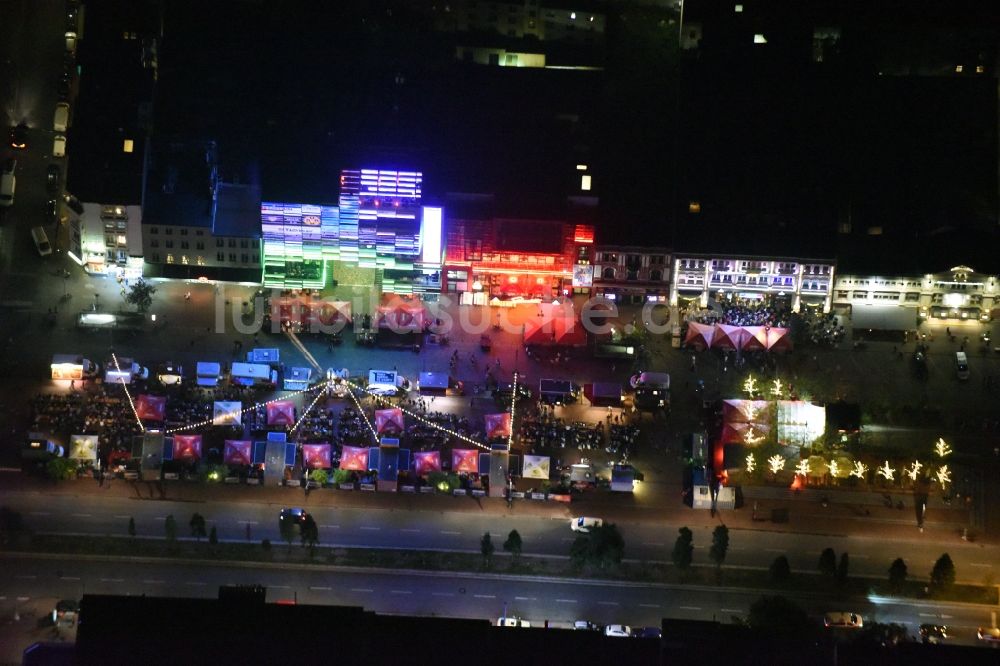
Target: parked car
989,634
41,241
584,524
512,622
53,177
843,619
585,625
933,633
19,137
648,632
618,630
59,146
61,118
70,41
52,210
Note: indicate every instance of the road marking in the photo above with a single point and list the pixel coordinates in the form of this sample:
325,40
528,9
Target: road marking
525,599
361,589
450,532
69,578
689,607
407,529
112,580
248,522
860,557
774,550
608,603
947,617
369,527
40,513
442,594
23,598
195,583
281,587
730,610
325,589
654,545
160,518
980,564
400,592
26,577
484,596
569,539
81,515
649,605
928,615
122,517
154,582
331,527
565,601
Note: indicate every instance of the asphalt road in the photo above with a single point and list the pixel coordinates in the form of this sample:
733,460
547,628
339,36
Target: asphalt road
415,529
451,595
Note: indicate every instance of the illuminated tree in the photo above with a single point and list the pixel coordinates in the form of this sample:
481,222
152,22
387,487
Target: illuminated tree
802,469
914,471
751,463
777,463
887,472
777,388
834,468
943,476
750,386
942,448
860,469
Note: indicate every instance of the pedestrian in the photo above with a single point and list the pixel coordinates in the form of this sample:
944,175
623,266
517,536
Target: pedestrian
72,384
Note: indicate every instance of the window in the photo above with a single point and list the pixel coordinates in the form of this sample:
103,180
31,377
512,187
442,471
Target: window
199,232
200,245
243,244
255,258
200,260
608,273
656,260
184,232
170,258
912,297
219,242
154,243
655,275
154,230
170,244
220,256
156,258
232,257
185,245
245,258
168,231
474,250
631,274
232,242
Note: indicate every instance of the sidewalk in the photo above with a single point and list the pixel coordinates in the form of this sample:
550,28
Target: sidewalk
804,515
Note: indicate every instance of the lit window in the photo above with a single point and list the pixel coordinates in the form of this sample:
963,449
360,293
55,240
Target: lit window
694,207
128,145
759,38
581,167
170,258
184,259
980,69
585,182
958,69
874,231
572,15
738,9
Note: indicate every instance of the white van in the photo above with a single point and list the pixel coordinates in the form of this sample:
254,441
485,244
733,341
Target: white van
7,184
961,365
59,146
41,241
61,120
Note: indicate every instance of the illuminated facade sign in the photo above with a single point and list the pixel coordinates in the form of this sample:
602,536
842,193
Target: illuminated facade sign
379,223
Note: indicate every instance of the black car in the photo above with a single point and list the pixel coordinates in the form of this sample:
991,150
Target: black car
64,87
294,515
504,392
933,633
53,176
52,209
19,137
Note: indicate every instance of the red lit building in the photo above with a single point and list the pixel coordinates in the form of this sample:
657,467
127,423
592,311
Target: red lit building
514,259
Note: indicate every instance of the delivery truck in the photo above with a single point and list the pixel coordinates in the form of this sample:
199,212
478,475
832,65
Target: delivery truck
124,372
73,367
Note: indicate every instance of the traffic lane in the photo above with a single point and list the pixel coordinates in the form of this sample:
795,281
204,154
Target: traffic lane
462,531
452,595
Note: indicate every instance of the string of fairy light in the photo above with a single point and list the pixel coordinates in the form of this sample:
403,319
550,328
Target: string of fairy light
211,421
128,395
308,409
513,401
361,411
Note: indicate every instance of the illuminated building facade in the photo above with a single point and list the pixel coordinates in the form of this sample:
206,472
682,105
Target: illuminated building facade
380,224
517,259
959,293
799,282
631,274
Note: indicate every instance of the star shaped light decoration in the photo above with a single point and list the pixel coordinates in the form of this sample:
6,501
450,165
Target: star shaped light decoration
802,469
943,476
834,468
750,385
860,469
750,438
942,448
777,388
751,463
776,463
914,471
887,472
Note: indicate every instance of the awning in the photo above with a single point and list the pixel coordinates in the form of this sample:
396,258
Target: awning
884,317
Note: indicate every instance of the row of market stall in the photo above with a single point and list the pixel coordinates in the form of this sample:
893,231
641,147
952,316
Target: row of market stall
743,338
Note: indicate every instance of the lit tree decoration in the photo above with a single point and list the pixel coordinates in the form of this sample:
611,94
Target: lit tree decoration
914,471
942,448
751,463
802,469
777,463
860,469
750,438
750,386
777,388
887,472
834,468
751,413
944,476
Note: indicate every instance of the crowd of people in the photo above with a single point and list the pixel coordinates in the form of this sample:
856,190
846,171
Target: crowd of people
742,313
101,411
821,329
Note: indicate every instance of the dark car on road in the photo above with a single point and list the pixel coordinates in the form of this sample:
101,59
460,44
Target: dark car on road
19,137
53,176
933,633
294,515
